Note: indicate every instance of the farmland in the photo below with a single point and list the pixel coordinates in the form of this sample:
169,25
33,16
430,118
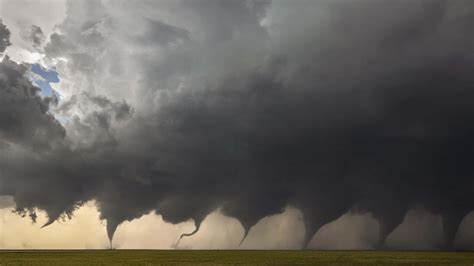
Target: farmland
223,257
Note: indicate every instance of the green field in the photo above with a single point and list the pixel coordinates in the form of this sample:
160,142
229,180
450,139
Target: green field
244,257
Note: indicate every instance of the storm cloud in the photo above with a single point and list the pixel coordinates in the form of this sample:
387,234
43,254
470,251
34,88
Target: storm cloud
187,107
4,37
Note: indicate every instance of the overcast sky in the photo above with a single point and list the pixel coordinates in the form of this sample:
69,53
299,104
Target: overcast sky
329,124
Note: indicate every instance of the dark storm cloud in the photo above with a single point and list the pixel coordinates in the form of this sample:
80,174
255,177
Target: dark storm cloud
24,116
26,127
365,108
4,37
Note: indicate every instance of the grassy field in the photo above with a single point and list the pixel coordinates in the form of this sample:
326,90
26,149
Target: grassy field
243,257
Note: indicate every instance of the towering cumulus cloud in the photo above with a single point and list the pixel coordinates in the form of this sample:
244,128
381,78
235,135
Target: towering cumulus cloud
186,107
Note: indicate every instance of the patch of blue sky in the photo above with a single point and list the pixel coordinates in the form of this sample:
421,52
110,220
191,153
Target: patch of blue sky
43,78
48,74
46,77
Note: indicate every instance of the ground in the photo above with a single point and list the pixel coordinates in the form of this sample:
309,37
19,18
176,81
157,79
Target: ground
245,257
